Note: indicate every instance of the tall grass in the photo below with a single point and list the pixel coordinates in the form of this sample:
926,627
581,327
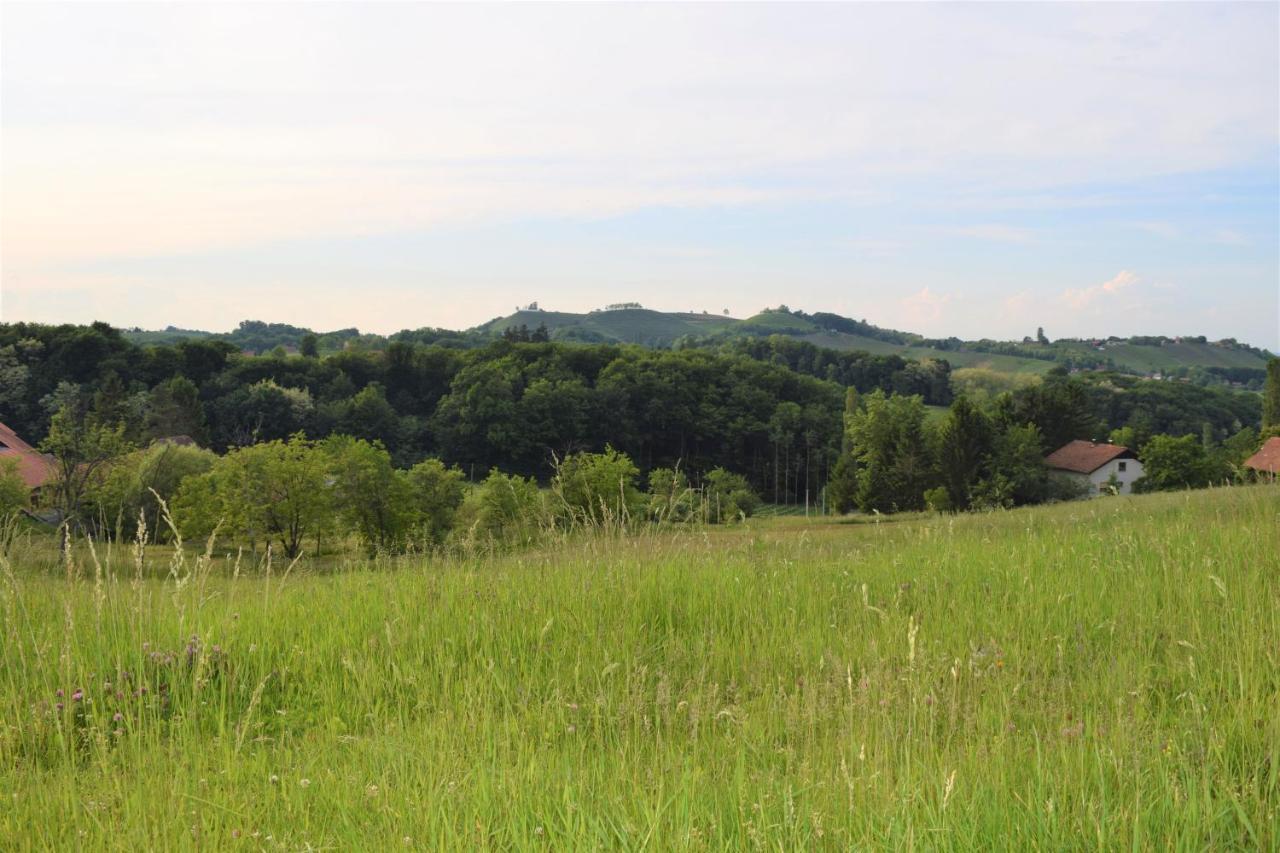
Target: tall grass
1086,676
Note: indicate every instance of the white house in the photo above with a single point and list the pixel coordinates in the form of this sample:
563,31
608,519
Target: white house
1102,466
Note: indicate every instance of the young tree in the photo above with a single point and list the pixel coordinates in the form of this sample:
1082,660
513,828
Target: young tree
277,489
81,447
964,450
435,493
842,488
1017,459
888,441
309,346
371,496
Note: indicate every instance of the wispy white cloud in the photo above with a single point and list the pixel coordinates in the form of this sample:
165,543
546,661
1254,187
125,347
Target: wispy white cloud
1086,296
926,307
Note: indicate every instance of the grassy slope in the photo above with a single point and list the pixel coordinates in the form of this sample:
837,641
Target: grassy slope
1176,355
630,325
993,361
1098,675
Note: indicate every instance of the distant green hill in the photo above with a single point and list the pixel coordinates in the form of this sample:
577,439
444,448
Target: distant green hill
1227,362
623,325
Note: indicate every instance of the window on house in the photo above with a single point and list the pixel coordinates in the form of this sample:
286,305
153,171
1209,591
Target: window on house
1122,467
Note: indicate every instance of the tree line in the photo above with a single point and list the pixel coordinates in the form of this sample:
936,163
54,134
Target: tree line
297,494
770,410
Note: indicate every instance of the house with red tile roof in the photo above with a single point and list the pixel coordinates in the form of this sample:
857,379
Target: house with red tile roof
35,467
1101,466
1267,459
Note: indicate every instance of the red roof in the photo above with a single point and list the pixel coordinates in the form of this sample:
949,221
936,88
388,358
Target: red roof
35,468
1085,457
1266,459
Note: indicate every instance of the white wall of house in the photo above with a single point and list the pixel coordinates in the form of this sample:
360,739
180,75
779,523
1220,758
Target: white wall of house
1126,471
1098,480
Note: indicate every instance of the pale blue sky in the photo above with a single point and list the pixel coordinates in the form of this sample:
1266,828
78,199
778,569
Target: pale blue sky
976,170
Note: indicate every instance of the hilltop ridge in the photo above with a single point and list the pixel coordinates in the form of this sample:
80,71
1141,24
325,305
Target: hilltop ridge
1226,361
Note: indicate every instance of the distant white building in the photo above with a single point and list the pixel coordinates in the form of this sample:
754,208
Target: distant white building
1102,466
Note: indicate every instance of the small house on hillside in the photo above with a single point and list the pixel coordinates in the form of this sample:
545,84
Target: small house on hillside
1101,466
35,468
1267,459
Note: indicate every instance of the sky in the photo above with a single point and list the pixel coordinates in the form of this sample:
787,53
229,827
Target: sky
962,169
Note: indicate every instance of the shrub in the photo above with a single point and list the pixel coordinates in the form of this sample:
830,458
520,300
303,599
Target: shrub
938,499
1175,463
14,494
1064,487
126,490
503,508
597,488
727,497
670,496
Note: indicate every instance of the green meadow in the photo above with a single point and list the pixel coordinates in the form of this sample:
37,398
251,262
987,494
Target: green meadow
1093,675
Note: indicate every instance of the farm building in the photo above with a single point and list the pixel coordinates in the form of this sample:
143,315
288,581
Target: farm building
1097,464
35,468
1267,459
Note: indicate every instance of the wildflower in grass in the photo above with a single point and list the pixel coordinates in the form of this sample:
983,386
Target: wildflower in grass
78,695
58,693
274,779
117,717
305,783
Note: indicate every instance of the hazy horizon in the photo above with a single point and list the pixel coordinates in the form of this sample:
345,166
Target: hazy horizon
967,170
